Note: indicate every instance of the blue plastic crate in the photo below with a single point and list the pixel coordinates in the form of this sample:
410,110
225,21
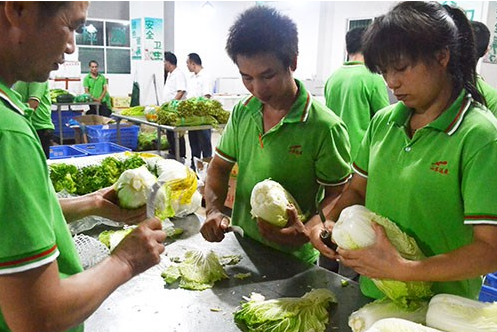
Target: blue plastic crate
100,148
67,132
488,294
491,279
65,151
108,133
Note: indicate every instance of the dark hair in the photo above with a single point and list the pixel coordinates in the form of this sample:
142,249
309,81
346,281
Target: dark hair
92,61
482,38
195,58
417,31
263,30
171,58
353,40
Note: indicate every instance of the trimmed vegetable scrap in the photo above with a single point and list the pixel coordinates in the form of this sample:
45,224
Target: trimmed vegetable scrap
287,314
199,271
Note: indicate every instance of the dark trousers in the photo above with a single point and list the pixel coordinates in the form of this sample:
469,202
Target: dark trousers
200,143
46,139
172,144
103,110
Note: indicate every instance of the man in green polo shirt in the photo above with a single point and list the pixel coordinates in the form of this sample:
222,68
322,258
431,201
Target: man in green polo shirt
95,84
482,40
279,132
353,92
37,96
42,284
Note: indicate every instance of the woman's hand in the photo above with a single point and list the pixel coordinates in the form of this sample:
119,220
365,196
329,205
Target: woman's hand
380,260
293,234
317,241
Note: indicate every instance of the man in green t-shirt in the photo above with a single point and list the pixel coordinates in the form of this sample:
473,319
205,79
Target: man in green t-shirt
95,84
37,96
279,132
482,40
353,92
42,284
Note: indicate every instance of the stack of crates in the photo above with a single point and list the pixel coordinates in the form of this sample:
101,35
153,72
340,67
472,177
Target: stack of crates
108,133
67,132
488,291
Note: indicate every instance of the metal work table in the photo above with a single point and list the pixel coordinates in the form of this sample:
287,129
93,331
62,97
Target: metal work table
68,105
177,130
147,304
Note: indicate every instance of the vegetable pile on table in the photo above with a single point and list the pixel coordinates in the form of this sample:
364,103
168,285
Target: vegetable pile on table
192,112
308,313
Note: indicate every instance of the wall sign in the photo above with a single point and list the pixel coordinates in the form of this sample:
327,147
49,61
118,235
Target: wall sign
153,39
136,39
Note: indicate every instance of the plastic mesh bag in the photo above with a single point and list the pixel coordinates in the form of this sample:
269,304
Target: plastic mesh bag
90,250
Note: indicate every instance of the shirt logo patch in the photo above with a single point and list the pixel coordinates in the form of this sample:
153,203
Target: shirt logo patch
296,150
440,167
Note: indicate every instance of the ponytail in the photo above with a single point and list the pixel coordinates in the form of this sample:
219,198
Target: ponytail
463,56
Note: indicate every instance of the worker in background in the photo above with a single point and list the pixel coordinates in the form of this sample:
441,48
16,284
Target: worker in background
42,284
37,96
278,132
353,92
95,85
482,40
427,163
174,89
199,85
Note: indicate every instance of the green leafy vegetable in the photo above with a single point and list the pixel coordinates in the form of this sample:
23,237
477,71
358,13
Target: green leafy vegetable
354,229
199,271
288,314
111,238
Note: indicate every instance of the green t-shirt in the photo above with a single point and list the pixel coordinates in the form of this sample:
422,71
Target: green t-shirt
308,148
355,94
435,185
33,229
489,93
96,87
42,116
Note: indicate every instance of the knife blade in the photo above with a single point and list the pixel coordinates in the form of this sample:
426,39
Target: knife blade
151,198
233,228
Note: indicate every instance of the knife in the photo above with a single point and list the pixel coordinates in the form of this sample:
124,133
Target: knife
151,198
233,228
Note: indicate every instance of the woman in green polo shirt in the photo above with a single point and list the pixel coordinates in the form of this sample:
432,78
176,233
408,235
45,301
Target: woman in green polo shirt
428,162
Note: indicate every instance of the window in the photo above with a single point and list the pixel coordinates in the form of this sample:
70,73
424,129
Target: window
107,42
352,24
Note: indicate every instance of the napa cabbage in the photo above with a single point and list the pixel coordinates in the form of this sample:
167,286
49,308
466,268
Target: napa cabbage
354,230
399,325
270,201
287,314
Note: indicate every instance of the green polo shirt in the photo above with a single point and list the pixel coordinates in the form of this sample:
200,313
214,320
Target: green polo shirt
435,185
96,87
33,229
489,93
355,94
42,116
308,148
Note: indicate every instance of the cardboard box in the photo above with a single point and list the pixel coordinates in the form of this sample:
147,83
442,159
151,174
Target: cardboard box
80,135
120,102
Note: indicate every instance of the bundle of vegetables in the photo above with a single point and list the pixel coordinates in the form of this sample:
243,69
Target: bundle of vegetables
366,316
148,141
199,271
354,230
91,178
54,93
192,112
454,313
83,98
269,201
133,188
133,111
399,325
288,314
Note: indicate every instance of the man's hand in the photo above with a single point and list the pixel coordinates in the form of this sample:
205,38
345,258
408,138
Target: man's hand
215,226
293,234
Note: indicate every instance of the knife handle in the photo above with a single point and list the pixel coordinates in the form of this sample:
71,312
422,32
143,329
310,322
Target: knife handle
326,239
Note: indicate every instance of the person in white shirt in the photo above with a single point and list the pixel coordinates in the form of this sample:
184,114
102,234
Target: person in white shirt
174,89
199,85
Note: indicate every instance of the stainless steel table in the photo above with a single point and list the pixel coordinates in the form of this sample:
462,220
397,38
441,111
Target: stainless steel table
146,304
176,130
68,105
